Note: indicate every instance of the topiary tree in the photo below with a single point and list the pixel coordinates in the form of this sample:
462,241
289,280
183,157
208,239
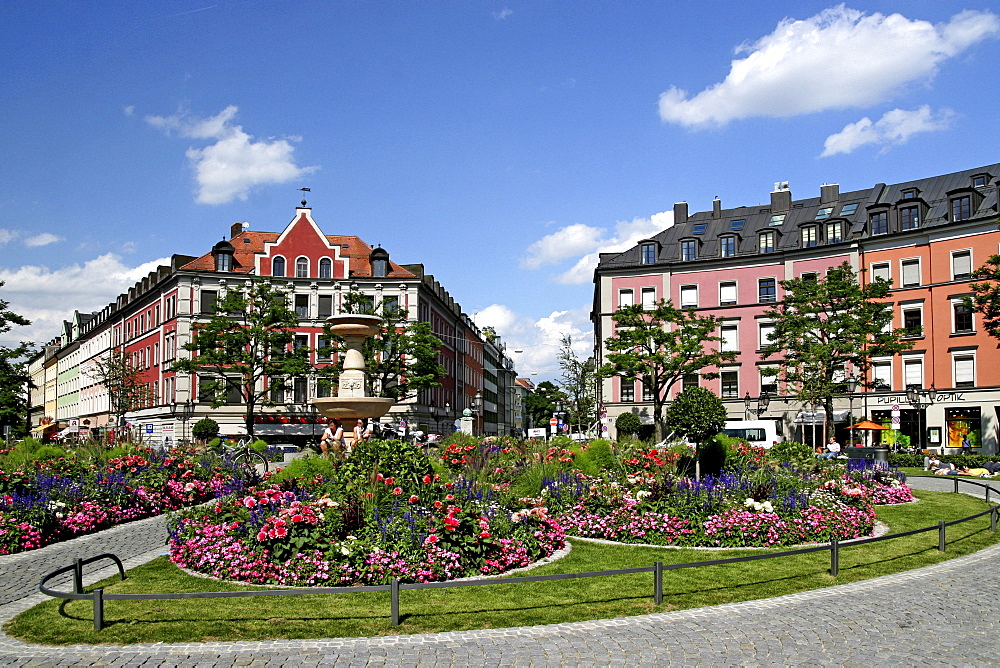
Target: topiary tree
628,424
698,415
205,429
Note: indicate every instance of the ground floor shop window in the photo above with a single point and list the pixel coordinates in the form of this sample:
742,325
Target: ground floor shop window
908,435
964,423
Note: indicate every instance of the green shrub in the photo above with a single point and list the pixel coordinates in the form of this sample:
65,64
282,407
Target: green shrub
712,456
792,453
405,461
306,468
597,458
259,445
205,429
48,452
628,424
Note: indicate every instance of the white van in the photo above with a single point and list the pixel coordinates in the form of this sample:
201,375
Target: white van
755,432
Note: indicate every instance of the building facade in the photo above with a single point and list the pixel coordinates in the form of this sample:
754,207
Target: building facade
925,236
153,321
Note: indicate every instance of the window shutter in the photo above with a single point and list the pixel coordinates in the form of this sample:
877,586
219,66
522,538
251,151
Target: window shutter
727,293
965,370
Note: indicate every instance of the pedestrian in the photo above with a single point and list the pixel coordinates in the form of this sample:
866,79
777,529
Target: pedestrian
966,445
360,434
332,438
832,449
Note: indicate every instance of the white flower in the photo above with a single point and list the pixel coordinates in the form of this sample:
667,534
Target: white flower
749,503
641,494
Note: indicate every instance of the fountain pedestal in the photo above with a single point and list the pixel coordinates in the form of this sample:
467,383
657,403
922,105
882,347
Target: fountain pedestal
351,402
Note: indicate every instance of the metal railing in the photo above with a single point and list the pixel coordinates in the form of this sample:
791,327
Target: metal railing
394,587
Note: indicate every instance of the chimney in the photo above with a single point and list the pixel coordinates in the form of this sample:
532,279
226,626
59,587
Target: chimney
781,197
680,212
829,193
236,228
716,208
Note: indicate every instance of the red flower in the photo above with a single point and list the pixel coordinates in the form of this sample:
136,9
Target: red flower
397,491
427,479
414,498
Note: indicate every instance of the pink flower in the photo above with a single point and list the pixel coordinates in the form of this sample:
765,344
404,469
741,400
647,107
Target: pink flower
397,491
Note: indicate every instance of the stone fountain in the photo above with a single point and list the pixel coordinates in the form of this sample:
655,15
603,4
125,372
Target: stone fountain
351,402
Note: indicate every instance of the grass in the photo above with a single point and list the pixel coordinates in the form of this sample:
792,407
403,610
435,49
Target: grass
504,605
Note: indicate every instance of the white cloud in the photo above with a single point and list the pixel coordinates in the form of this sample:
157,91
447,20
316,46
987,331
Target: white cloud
47,296
586,243
128,110
43,239
231,167
840,58
6,236
895,127
539,340
502,14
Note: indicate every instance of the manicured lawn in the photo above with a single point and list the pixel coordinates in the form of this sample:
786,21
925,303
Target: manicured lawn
506,605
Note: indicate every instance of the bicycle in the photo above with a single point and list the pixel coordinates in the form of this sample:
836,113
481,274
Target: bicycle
244,457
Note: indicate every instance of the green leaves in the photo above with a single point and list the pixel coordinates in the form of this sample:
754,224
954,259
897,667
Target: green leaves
987,295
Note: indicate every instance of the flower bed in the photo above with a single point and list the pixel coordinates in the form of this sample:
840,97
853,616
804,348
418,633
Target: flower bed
50,500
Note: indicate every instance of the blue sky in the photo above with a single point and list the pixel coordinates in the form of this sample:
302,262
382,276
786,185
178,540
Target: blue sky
501,144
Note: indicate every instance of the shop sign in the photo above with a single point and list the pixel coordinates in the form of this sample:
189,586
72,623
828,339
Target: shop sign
941,397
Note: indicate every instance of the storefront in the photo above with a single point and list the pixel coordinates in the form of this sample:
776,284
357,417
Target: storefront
962,423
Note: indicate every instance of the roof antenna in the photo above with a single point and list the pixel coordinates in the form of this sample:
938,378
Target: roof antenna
305,190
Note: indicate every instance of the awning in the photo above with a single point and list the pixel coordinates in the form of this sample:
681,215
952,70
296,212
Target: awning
819,417
42,427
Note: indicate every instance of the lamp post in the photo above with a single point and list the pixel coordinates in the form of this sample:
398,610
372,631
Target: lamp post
477,405
851,385
915,396
762,402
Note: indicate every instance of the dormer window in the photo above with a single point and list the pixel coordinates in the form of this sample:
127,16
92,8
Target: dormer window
765,242
689,250
834,232
909,217
879,222
909,193
961,208
648,253
980,180
223,254
278,266
379,259
809,236
824,213
727,246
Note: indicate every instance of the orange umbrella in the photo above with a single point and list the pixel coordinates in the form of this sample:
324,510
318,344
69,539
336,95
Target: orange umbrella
867,424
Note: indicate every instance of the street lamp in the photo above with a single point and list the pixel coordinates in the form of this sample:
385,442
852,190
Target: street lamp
762,403
477,404
851,385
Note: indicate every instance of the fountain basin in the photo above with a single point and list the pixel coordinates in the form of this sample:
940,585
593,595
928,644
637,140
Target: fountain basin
354,324
353,408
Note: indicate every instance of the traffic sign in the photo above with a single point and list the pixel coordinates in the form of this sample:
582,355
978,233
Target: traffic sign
553,422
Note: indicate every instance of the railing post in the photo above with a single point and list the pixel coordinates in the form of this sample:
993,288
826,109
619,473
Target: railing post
941,536
658,582
993,519
98,609
956,485
834,557
394,592
78,576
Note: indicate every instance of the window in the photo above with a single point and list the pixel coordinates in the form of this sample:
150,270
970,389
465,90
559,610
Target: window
302,268
848,209
766,334
380,268
881,271
911,272
627,391
323,352
909,193
730,338
824,212
299,393
300,341
727,293
689,296
325,306
810,277
963,317
913,373
909,217
647,392
766,242
699,228
689,250
961,208
277,391
979,181
690,380
648,253
325,268
737,225
302,306
965,371
648,298
913,321
834,232
278,266
961,265
233,393
223,262
391,304
767,290
727,246
730,385
880,223
808,236
625,298
768,381
882,375
777,219
208,300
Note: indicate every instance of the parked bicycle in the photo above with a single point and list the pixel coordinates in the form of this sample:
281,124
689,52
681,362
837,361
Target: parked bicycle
244,457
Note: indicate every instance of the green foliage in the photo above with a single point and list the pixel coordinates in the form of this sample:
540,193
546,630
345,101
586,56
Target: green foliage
628,424
659,346
14,376
597,458
827,326
712,456
458,438
986,300
48,452
246,347
205,429
578,383
541,403
696,414
404,461
259,445
792,453
123,379
306,468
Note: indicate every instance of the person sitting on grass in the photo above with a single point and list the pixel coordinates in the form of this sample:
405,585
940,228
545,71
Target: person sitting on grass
941,468
976,472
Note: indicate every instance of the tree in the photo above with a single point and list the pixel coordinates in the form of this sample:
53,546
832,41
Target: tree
827,327
578,384
14,377
987,298
122,379
661,346
540,405
246,352
628,424
401,360
696,415
205,429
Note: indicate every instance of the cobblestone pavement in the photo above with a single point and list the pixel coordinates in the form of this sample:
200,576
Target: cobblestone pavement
940,615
